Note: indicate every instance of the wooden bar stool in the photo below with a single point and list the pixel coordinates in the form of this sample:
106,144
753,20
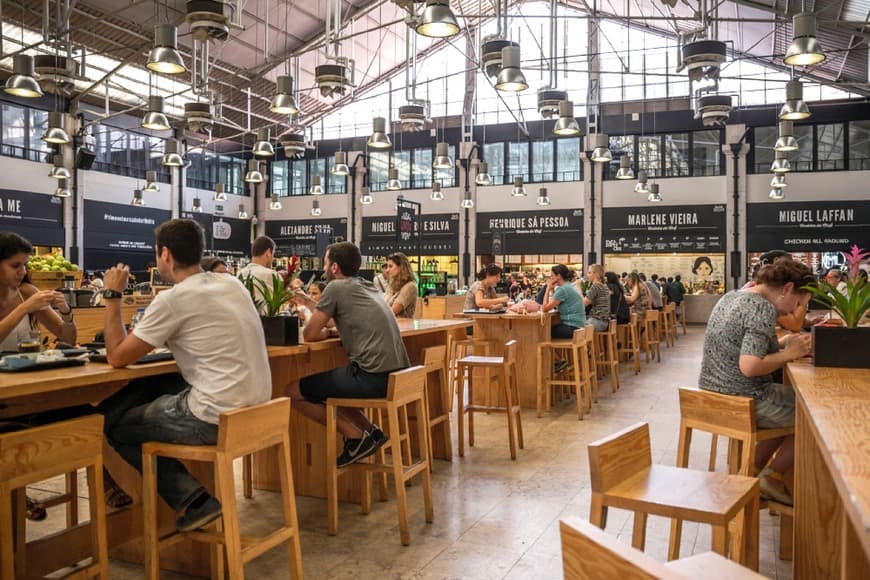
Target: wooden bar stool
673,325
683,315
240,432
664,327
39,453
623,476
406,388
733,417
650,337
504,371
575,375
608,356
459,348
435,362
629,342
592,361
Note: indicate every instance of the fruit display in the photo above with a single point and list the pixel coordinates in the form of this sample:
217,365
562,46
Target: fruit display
50,263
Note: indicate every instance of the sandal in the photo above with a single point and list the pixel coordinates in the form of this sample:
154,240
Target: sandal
773,488
35,511
115,496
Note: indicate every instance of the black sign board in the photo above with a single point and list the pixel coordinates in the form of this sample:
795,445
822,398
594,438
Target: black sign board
406,222
808,226
35,216
557,231
121,227
223,236
656,229
300,237
440,236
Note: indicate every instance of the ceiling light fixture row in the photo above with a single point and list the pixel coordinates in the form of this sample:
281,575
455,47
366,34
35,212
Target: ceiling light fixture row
436,194
339,166
22,83
275,203
483,177
63,189
543,198
379,138
58,171
519,190
151,184
366,196
437,20
567,125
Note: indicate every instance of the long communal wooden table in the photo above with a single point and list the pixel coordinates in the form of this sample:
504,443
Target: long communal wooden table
28,392
832,472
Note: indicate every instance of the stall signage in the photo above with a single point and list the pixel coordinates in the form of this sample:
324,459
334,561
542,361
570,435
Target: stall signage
300,237
35,216
406,222
122,227
538,232
226,237
440,235
810,226
682,228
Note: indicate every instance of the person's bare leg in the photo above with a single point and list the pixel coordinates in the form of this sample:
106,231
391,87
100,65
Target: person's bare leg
317,412
784,459
764,450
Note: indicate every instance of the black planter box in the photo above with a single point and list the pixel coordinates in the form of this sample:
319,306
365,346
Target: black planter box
838,346
281,330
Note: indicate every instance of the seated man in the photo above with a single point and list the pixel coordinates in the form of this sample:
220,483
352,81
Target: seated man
370,335
209,322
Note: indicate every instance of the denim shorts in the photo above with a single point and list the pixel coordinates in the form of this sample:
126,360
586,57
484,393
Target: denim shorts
775,408
350,382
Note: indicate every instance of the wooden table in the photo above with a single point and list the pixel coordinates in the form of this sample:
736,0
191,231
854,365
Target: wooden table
832,471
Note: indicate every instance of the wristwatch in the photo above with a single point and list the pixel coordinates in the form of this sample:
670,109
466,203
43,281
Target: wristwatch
109,294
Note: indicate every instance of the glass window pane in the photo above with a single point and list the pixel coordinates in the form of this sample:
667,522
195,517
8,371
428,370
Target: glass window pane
764,140
317,167
802,159
830,146
705,152
677,155
568,166
337,183
649,155
279,182
493,154
379,164
13,127
447,177
620,146
38,125
422,168
518,161
859,145
402,162
542,161
299,177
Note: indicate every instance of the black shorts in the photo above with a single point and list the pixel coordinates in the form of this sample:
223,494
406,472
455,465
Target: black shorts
350,382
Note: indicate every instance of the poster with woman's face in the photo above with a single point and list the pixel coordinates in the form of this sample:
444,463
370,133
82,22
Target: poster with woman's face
703,269
691,267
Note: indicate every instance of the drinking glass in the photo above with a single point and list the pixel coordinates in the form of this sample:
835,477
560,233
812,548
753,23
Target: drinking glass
31,342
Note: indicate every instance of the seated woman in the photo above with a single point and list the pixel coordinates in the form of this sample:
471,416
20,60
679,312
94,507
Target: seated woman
597,298
618,305
563,296
741,352
638,297
482,293
401,292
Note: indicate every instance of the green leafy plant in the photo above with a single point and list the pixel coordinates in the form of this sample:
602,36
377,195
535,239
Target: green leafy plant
854,304
274,296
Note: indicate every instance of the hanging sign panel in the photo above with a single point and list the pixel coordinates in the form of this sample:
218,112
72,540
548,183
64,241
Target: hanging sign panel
123,227
37,217
557,231
440,235
664,229
300,237
226,237
808,226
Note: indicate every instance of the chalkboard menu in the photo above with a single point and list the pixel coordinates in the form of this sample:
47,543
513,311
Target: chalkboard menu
659,229
808,226
306,237
223,236
440,235
531,232
35,216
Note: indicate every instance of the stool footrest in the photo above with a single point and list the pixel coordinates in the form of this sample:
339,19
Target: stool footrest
254,547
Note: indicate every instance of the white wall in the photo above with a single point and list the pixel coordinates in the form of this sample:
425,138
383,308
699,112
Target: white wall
839,185
207,202
563,195
674,191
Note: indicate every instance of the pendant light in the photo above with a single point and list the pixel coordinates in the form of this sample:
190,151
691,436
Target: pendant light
219,194
467,201
393,183
243,213
339,167
543,198
436,194
654,195
442,159
315,208
438,20
171,155
22,82
601,153
137,200
275,203
794,109
197,205
567,125
62,188
786,140
283,102
510,78
625,171
164,57
805,49
253,175
55,133
316,187
58,171
780,163
641,186
263,147
366,197
154,118
519,190
776,193
379,138
483,177
778,181
151,185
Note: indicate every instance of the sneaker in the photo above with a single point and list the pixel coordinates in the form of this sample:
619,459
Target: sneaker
357,449
559,366
195,518
772,487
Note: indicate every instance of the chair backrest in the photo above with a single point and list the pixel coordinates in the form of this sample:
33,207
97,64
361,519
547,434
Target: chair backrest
434,357
652,316
579,337
611,329
589,553
619,456
42,452
407,384
727,415
250,429
510,353
590,332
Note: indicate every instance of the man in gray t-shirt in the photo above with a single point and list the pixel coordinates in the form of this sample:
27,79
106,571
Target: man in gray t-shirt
370,335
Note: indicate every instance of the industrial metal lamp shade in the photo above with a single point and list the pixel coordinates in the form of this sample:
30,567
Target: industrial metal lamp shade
283,102
510,78
805,49
436,194
219,194
778,181
654,195
567,124
543,198
786,140
22,82
55,133
467,201
776,193
154,118
780,164
151,185
483,177
366,197
316,187
253,174
58,171
625,171
519,190
315,208
437,20
137,200
164,57
62,189
263,148
340,166
601,153
197,205
379,138
393,183
171,155
641,186
442,159
794,109
243,213
275,204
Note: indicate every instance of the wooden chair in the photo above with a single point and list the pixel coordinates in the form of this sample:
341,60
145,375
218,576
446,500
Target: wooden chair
591,554
650,337
459,348
240,433
733,417
406,388
623,476
575,375
629,341
592,360
608,356
40,453
504,372
435,362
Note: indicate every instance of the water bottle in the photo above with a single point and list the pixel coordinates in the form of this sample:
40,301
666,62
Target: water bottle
137,317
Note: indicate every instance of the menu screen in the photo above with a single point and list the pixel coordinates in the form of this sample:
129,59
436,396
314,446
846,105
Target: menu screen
661,229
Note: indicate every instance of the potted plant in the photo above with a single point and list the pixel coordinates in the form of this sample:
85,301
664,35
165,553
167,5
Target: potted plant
269,299
843,343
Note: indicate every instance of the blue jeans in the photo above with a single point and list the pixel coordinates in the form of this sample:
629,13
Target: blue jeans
155,409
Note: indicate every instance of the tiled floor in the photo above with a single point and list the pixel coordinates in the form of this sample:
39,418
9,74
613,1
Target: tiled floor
497,518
